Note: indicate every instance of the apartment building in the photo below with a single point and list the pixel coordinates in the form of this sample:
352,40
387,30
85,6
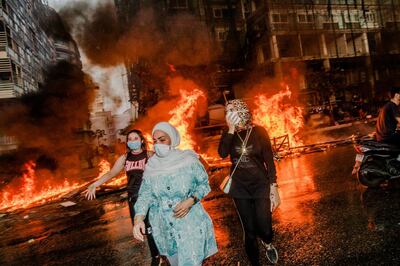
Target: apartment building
224,20
25,49
356,42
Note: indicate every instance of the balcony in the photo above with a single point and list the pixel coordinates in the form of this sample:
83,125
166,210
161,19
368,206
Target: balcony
7,143
280,26
390,25
3,41
7,140
306,26
330,26
353,25
5,65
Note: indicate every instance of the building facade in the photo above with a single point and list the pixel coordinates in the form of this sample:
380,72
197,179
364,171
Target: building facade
352,44
25,49
225,22
102,122
337,49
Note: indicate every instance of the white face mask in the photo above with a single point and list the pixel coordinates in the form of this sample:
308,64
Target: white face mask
162,150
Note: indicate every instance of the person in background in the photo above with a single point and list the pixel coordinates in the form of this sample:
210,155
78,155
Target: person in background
388,119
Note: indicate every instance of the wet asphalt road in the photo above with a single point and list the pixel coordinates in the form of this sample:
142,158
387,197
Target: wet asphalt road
326,218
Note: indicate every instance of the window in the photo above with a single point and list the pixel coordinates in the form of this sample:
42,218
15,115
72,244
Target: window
303,18
221,34
9,40
18,70
14,45
223,12
279,18
217,12
370,17
178,4
284,18
4,5
32,36
5,76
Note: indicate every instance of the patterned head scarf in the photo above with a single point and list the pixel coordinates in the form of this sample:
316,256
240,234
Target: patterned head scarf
243,113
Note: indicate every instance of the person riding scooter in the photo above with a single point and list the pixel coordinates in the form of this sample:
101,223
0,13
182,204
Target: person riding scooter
388,119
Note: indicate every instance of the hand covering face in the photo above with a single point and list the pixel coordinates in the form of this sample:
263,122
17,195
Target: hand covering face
238,112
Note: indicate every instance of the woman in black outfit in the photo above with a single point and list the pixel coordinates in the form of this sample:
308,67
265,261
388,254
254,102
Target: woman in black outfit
133,162
253,189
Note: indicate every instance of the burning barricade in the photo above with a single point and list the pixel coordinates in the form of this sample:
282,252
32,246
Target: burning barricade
283,122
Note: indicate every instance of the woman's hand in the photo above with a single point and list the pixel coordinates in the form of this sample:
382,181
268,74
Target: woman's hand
274,197
183,208
230,119
138,229
91,192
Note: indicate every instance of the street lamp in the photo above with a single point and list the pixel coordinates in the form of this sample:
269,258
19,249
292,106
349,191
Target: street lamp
224,94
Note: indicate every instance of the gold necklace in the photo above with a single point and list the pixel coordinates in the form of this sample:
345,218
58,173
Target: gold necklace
244,142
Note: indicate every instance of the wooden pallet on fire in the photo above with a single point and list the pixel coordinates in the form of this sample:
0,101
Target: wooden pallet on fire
281,143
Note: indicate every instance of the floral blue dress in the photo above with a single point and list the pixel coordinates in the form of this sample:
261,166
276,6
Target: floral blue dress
191,237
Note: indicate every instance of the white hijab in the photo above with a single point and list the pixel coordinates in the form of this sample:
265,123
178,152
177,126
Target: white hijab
176,158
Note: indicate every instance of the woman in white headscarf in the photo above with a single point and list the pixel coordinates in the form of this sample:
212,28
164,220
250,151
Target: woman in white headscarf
174,181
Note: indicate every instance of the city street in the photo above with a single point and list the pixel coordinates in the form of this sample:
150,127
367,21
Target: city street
326,218
89,87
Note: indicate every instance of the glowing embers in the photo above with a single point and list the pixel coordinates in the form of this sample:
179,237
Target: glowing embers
33,188
279,116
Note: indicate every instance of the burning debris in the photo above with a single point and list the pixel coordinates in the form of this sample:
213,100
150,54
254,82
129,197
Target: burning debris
279,116
45,124
33,188
38,186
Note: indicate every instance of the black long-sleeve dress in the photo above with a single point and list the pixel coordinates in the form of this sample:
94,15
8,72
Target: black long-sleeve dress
256,170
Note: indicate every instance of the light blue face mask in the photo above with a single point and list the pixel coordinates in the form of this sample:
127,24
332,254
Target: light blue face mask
134,145
162,150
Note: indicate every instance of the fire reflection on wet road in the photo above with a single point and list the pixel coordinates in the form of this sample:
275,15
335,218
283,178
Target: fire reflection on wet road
326,218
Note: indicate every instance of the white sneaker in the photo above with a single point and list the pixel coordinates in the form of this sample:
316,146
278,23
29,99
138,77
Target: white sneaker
271,253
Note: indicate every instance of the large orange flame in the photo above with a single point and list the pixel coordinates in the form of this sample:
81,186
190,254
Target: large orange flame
279,117
273,113
30,190
184,114
26,191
